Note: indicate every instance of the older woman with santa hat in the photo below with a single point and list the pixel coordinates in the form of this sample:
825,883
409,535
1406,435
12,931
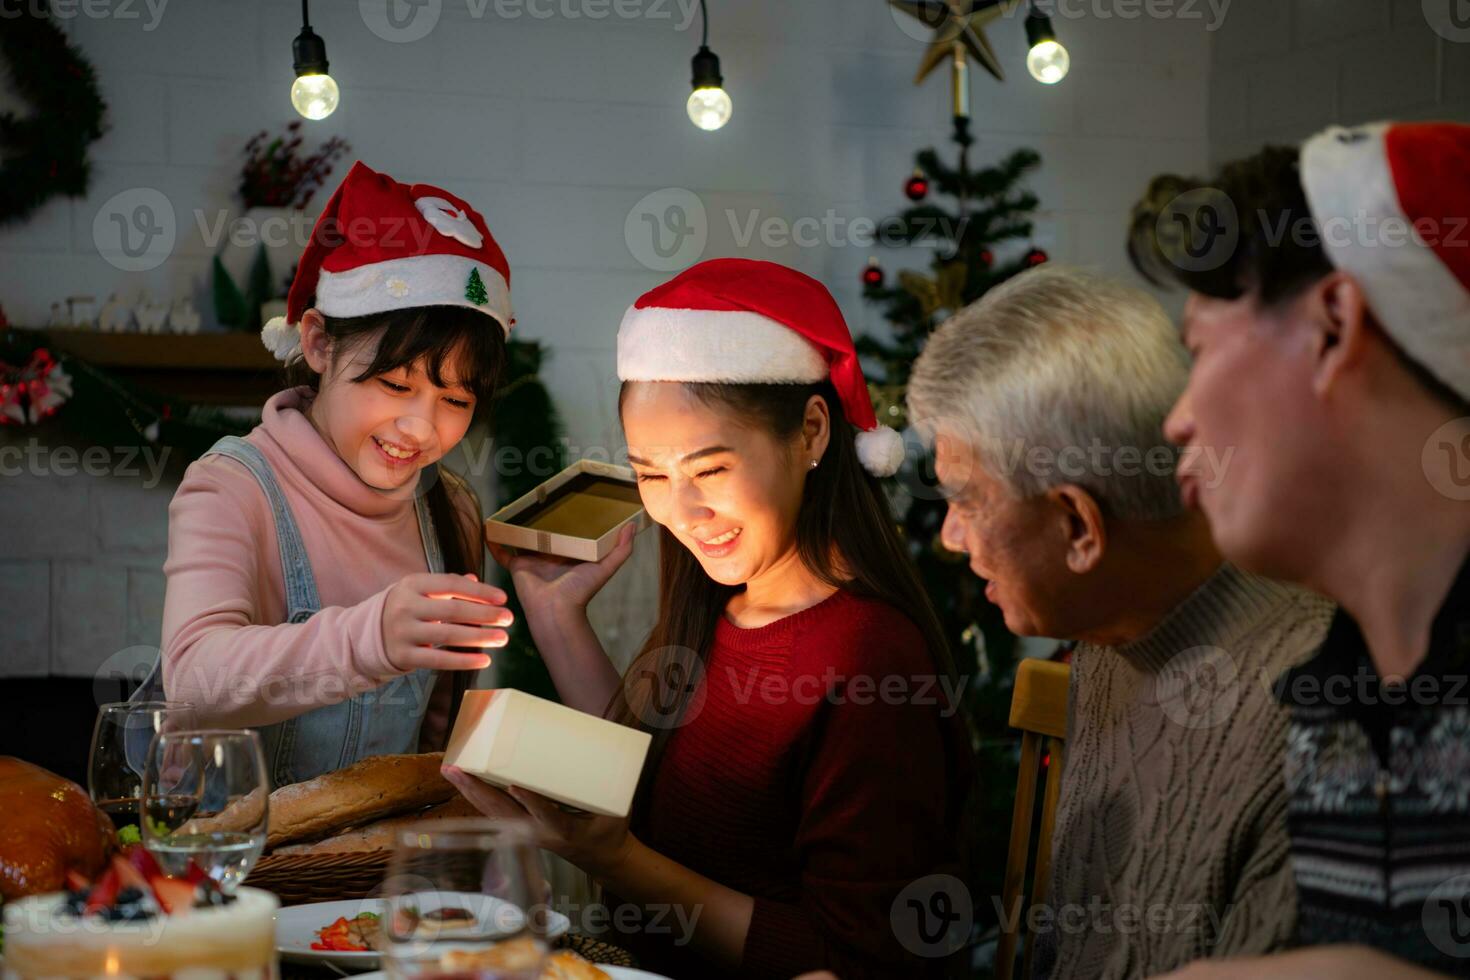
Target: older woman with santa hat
808,762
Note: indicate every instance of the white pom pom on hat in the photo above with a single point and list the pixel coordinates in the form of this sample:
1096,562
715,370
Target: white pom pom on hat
282,339
743,321
880,451
381,245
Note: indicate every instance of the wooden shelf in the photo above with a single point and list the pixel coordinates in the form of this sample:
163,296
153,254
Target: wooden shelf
206,368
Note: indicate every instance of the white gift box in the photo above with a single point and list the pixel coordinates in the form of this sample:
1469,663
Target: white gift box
576,514
511,738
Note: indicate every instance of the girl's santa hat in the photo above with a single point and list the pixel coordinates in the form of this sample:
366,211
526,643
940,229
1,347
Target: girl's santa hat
739,321
1392,205
381,246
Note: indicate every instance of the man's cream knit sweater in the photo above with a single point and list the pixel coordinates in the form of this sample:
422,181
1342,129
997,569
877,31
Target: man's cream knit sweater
1170,841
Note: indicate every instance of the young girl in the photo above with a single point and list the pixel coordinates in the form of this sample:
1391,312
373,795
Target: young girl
804,770
319,567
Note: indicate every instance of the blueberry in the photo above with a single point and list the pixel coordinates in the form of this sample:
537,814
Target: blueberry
130,895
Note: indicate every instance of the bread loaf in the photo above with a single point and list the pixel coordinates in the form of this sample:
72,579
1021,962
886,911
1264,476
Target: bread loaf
375,787
381,835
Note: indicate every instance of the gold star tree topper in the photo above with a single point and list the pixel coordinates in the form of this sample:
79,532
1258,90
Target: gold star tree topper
959,26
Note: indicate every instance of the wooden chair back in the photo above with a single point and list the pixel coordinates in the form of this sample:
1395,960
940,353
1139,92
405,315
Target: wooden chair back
1039,710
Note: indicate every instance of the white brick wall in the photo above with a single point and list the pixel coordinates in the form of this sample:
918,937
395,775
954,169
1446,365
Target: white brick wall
1284,69
554,127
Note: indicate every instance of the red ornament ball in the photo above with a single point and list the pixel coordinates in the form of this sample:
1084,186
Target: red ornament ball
1035,257
916,188
873,275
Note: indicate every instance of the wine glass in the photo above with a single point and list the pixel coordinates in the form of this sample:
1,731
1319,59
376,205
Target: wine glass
119,752
465,897
205,804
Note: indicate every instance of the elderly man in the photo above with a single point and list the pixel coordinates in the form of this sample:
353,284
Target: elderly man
1331,334
1046,401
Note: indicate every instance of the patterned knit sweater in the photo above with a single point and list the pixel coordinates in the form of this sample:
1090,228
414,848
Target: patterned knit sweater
1170,841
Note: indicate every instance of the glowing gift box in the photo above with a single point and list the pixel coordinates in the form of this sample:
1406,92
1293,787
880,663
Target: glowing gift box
576,514
511,738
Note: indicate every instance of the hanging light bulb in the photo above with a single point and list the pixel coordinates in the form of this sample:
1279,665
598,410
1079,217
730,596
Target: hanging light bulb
709,104
314,93
1047,61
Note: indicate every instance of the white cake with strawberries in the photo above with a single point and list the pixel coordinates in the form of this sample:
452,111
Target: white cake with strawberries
136,922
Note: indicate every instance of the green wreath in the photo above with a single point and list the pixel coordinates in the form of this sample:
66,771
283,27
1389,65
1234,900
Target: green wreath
45,153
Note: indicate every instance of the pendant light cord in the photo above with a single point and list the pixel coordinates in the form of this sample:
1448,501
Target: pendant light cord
703,19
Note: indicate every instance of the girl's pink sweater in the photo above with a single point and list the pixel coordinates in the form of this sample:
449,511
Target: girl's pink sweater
226,644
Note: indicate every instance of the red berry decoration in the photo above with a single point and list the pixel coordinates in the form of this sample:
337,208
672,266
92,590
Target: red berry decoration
916,188
1035,257
873,274
987,258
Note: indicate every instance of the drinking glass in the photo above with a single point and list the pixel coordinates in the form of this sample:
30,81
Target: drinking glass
119,752
205,803
468,898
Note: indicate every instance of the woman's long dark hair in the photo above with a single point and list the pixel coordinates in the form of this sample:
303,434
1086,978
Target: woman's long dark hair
845,535
435,335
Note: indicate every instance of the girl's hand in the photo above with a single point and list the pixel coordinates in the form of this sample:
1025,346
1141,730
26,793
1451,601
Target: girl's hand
425,611
596,844
546,582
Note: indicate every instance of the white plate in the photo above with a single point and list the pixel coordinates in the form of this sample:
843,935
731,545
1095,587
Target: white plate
297,926
616,972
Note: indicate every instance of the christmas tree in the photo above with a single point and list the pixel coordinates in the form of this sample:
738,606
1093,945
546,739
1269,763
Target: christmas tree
990,209
474,290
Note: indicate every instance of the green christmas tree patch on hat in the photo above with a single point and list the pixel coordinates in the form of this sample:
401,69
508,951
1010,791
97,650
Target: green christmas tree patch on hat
474,289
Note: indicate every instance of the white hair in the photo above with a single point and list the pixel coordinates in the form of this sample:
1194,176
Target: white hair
1060,376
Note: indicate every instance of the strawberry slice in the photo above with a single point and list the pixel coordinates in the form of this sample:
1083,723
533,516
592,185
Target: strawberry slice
195,875
175,896
104,893
145,863
76,881
130,875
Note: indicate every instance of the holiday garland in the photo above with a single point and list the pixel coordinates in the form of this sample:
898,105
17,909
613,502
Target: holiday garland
45,153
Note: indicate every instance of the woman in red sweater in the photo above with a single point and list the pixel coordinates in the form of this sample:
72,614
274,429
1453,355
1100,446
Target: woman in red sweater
809,763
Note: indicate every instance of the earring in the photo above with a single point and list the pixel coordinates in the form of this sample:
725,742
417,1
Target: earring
814,464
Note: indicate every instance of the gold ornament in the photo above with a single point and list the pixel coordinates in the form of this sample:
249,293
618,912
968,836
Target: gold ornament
946,291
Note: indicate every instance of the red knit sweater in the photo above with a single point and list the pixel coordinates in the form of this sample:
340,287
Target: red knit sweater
821,775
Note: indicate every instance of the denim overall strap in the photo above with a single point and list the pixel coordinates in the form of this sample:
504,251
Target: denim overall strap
432,551
391,715
301,593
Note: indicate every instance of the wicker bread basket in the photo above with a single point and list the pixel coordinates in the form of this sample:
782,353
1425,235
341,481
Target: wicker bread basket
297,879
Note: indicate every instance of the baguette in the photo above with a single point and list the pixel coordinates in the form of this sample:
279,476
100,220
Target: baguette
375,787
381,835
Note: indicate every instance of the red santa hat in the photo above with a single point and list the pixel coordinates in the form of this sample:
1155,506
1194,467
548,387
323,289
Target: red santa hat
381,246
1392,204
741,321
